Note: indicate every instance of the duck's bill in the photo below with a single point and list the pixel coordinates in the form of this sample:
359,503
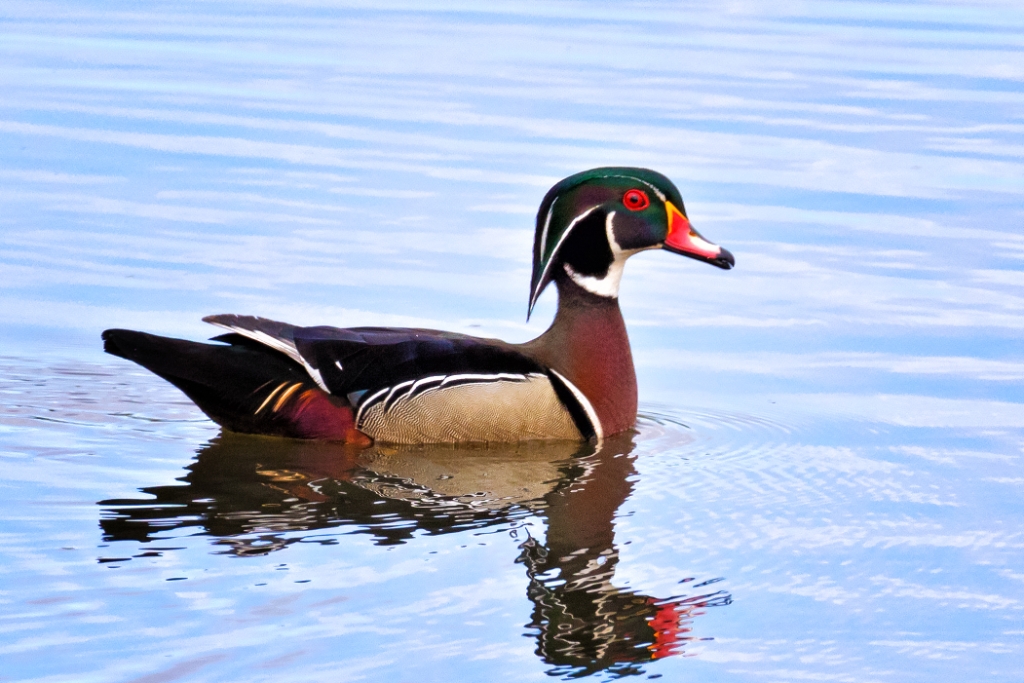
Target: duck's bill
683,239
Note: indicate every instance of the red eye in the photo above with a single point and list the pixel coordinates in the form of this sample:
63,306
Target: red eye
636,200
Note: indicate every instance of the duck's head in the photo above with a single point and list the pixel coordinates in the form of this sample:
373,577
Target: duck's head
591,222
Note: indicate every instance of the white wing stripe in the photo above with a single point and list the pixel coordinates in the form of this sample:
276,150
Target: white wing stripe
394,389
498,377
283,345
368,402
390,395
419,383
584,403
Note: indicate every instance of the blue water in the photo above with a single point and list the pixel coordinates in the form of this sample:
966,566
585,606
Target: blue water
826,483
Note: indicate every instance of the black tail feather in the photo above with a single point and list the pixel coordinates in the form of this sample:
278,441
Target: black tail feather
228,382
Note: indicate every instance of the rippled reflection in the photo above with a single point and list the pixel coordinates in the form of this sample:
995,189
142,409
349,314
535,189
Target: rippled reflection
253,494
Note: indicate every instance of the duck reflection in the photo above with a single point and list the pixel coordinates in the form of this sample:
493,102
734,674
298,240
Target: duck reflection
253,494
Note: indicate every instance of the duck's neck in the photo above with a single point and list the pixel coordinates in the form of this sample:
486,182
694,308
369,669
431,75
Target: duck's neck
588,345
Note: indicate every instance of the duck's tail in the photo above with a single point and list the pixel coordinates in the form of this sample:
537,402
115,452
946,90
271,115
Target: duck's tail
242,386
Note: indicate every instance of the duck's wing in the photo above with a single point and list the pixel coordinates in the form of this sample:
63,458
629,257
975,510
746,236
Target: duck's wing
416,385
271,333
280,337
375,356
368,359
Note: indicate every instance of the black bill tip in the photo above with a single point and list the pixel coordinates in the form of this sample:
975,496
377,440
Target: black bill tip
725,260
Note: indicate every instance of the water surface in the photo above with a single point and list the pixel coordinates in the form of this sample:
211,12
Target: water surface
826,480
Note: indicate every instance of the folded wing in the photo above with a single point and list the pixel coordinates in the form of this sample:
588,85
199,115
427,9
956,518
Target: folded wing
422,386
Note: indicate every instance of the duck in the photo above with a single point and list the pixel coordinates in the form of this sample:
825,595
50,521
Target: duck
361,385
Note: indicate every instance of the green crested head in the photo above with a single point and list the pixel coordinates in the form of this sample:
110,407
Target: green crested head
591,222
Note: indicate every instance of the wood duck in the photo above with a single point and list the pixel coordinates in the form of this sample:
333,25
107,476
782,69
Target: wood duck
574,382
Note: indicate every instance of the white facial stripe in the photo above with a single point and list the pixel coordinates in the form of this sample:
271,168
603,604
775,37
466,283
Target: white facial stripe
551,256
547,224
607,286
654,188
661,195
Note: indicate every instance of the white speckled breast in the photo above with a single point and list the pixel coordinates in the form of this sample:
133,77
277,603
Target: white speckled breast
498,408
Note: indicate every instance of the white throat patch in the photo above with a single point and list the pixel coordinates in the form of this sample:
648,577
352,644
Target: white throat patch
607,286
